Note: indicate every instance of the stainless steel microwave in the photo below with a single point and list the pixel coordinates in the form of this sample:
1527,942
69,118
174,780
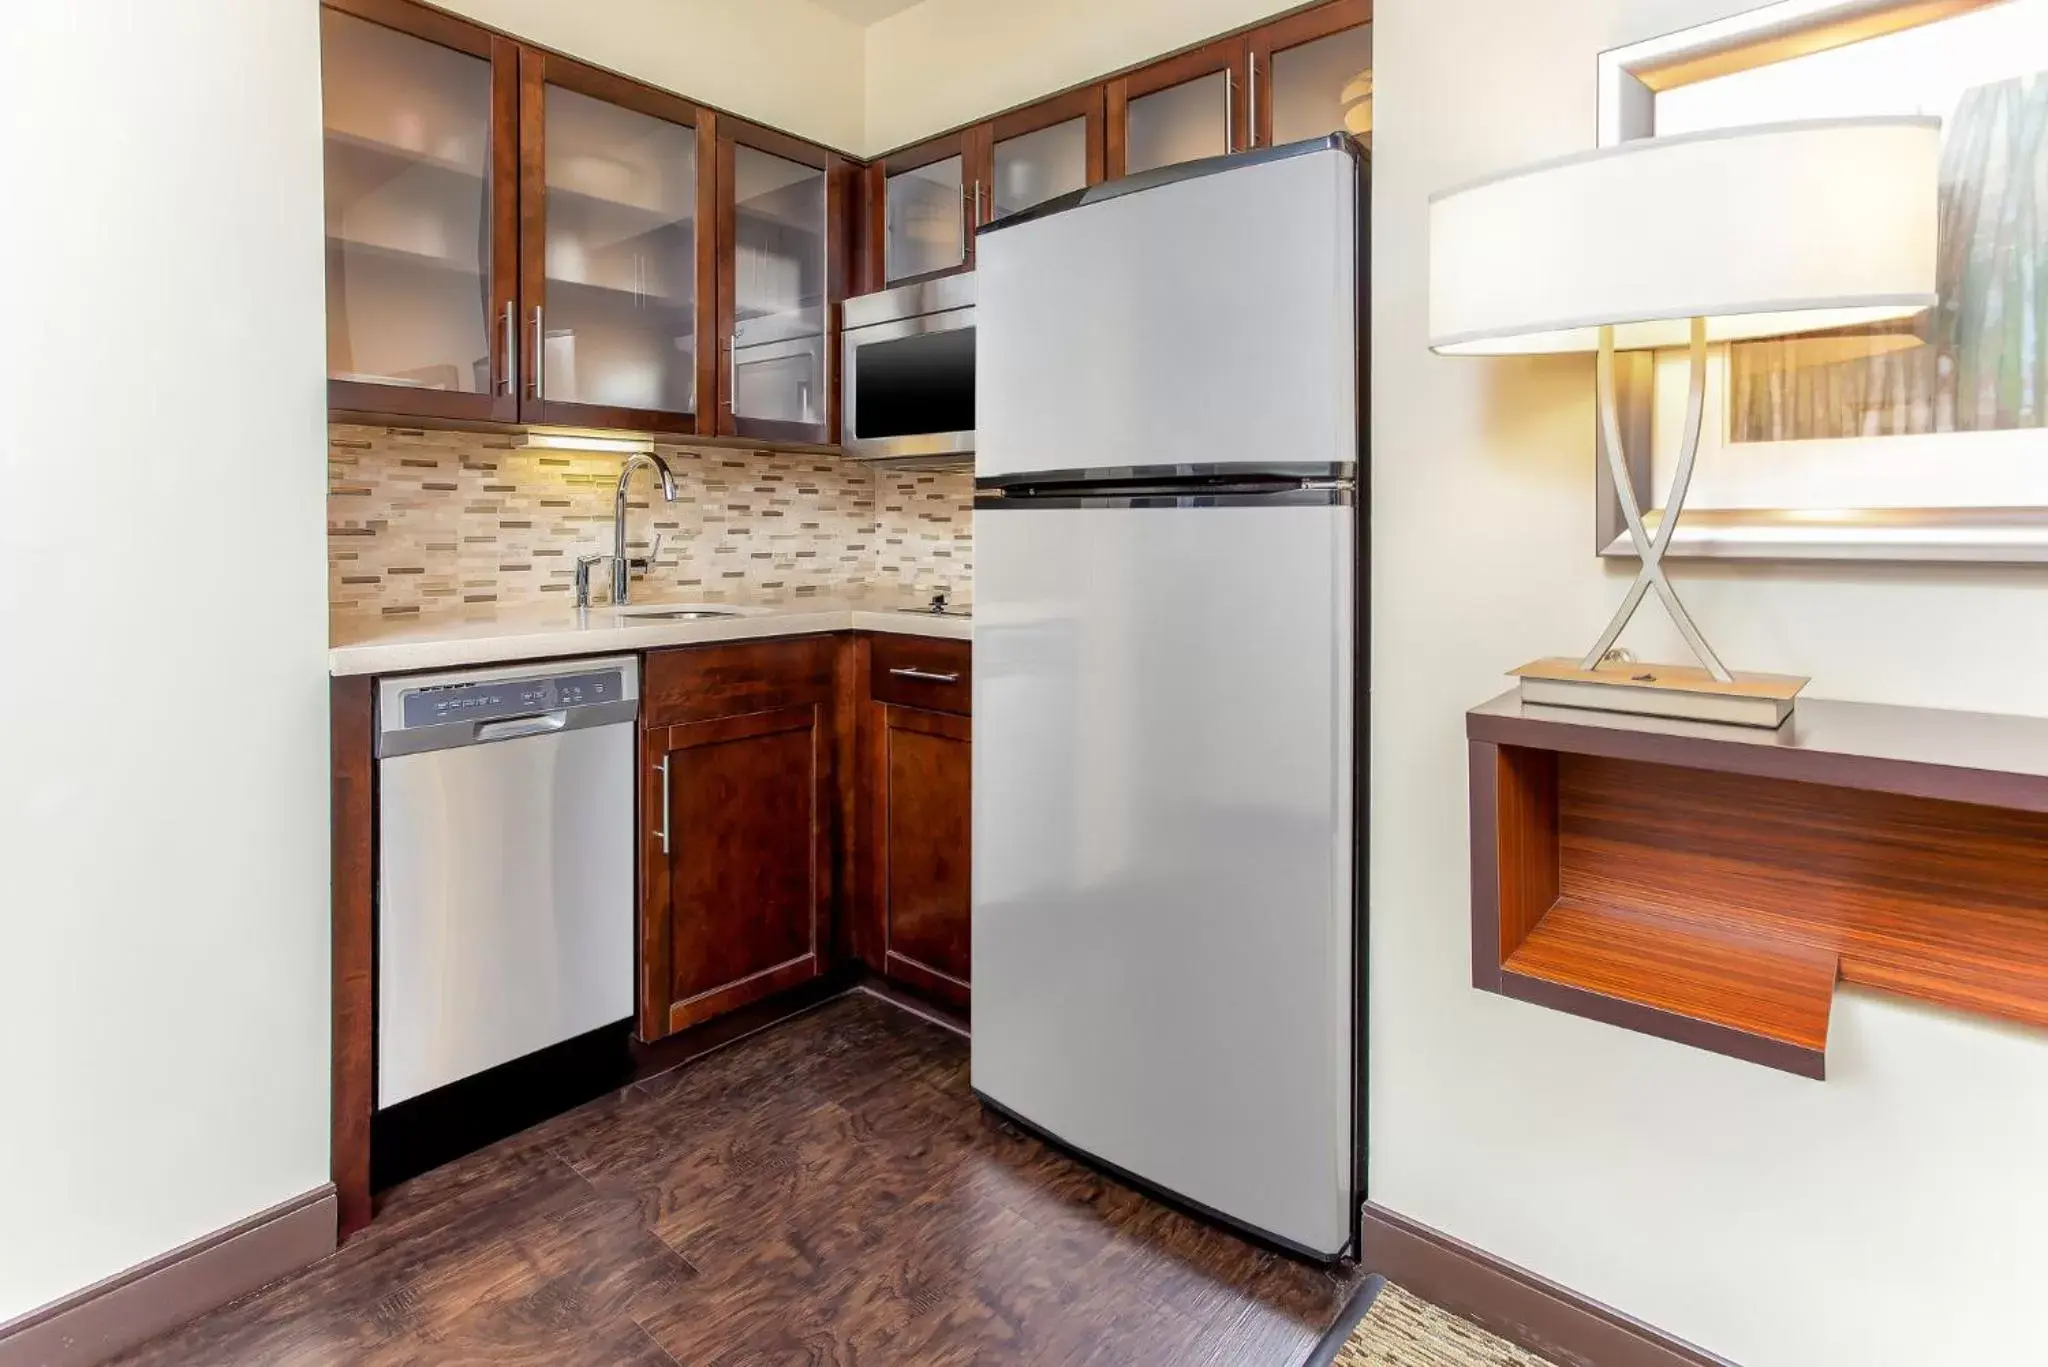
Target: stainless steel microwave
907,389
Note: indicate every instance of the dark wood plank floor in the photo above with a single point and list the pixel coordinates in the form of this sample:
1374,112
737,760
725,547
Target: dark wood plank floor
827,1192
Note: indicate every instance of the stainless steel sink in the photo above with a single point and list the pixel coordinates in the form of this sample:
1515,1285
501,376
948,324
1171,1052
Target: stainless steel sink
684,614
677,612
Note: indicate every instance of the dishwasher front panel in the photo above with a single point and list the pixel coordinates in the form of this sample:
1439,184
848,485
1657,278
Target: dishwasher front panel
506,902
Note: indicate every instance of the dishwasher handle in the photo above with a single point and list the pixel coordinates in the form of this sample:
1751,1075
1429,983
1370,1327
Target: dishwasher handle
512,728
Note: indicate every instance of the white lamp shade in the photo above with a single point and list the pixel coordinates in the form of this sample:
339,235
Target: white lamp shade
1762,231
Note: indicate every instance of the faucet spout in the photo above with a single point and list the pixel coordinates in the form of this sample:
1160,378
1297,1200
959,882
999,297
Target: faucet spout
622,564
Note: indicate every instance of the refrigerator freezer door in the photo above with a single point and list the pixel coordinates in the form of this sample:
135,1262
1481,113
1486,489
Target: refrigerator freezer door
1163,916
1202,321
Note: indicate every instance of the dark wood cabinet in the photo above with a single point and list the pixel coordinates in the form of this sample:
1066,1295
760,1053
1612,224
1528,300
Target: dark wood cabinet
420,120
916,836
617,257
1310,73
1296,77
803,802
739,808
1299,76
1183,108
518,237
784,245
924,203
922,842
1044,151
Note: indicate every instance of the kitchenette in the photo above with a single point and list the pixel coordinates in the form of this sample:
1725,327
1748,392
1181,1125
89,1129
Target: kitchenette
651,542
570,828
693,789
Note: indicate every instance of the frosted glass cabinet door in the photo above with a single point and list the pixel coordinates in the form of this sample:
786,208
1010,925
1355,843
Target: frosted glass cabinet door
1180,109
776,374
414,305
1324,86
925,228
1034,167
615,314
1183,122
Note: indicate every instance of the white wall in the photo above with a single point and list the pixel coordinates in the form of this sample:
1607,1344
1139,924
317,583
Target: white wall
795,65
787,63
163,765
943,63
1894,1214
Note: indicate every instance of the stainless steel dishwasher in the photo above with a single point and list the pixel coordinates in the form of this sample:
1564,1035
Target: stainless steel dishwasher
505,865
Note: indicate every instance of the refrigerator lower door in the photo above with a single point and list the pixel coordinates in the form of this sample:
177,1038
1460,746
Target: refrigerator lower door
1163,848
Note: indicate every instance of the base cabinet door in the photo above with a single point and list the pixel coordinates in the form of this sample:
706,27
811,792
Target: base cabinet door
736,874
917,834
924,784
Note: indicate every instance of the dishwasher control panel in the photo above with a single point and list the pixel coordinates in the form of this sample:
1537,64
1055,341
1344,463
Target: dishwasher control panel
499,698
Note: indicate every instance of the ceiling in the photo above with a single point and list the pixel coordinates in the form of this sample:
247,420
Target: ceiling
864,11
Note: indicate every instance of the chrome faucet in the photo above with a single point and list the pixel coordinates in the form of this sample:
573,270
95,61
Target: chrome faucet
623,565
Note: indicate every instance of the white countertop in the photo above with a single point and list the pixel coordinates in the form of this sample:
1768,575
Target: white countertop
370,645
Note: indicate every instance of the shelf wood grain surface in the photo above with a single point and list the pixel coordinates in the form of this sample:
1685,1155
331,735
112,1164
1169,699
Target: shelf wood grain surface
1710,884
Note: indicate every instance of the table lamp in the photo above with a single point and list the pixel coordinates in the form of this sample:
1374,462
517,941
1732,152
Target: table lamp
1731,235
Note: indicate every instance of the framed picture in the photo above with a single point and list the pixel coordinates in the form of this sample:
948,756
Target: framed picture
1921,441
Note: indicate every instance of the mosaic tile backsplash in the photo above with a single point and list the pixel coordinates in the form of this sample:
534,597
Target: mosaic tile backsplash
427,521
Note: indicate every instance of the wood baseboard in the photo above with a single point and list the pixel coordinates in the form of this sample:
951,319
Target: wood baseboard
1560,1324
91,1325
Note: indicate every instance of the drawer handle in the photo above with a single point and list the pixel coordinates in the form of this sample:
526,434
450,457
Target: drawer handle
925,676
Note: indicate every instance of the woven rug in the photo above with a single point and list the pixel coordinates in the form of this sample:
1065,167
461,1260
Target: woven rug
1399,1330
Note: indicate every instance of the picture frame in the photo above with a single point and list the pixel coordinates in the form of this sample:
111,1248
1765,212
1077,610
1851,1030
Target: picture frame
1905,495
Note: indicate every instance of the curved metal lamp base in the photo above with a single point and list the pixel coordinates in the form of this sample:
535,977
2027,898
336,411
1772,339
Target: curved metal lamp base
1651,575
1709,693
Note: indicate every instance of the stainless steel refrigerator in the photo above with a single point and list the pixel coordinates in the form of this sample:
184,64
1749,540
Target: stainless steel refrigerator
1168,944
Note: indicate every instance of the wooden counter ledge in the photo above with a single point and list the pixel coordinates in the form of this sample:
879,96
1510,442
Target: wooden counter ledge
1709,884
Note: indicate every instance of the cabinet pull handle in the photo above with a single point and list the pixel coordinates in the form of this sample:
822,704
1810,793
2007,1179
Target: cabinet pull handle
540,342
977,202
1229,111
732,376
509,382
925,676
663,832
1252,98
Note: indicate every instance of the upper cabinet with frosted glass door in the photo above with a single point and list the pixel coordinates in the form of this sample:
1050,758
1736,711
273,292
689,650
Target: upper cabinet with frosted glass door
925,202
1184,108
1311,74
1046,150
783,263
420,114
618,270
1301,76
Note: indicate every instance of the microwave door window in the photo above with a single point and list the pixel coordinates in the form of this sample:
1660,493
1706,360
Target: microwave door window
911,386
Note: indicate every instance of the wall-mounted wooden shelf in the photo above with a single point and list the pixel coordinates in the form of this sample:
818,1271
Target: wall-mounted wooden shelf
1709,884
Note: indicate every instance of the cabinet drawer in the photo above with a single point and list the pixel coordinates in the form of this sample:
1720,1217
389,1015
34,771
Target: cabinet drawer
698,683
922,671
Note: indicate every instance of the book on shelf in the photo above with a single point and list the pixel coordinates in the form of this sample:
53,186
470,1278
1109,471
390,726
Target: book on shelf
1682,692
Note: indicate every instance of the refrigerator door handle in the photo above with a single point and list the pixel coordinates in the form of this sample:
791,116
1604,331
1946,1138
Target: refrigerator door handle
1301,494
